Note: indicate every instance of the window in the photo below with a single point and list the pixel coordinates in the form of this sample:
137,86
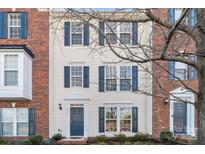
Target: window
114,30
181,70
111,78
76,76
14,121
11,70
118,78
125,78
111,119
76,33
125,32
111,32
118,119
14,23
125,119
178,12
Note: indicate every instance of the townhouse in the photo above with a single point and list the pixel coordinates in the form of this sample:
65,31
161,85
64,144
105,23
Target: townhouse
91,91
24,72
169,113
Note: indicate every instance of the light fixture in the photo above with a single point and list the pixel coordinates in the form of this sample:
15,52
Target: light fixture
13,105
166,101
60,106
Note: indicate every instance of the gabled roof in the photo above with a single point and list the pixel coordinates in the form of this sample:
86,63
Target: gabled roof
18,46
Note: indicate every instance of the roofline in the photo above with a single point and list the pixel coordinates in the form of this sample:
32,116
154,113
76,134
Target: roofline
18,46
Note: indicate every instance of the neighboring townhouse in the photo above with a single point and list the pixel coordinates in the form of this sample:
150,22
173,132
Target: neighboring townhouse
168,112
91,91
24,68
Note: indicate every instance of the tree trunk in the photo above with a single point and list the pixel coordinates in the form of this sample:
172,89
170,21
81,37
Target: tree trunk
201,107
201,76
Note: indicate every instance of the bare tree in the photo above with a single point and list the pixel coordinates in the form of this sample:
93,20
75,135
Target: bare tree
168,50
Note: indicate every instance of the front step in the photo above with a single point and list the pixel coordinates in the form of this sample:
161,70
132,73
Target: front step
69,141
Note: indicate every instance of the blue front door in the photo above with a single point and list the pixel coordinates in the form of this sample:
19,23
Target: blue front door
180,116
76,121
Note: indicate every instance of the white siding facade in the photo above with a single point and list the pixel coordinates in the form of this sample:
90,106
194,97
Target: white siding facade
91,98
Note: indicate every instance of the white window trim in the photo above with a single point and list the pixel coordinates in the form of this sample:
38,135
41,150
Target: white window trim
183,94
117,78
2,70
76,33
15,123
119,32
71,76
9,26
118,118
186,67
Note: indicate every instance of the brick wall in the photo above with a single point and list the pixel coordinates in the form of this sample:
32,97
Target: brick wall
37,41
161,93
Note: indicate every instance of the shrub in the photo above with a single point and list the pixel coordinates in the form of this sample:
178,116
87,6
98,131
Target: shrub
166,136
36,139
25,142
49,141
121,138
141,137
3,142
101,139
57,136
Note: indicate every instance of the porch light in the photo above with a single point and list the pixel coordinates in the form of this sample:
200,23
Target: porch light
60,106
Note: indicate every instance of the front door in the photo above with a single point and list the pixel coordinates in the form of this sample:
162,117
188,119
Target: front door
180,116
76,121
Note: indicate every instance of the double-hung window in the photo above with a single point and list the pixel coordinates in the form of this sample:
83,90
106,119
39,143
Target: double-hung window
181,70
76,33
125,32
125,78
118,30
14,121
118,78
118,119
14,25
76,76
111,119
111,78
111,32
11,70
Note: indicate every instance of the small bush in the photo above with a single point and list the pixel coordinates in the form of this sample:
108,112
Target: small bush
101,139
166,136
49,141
141,137
121,138
36,139
57,136
25,142
3,142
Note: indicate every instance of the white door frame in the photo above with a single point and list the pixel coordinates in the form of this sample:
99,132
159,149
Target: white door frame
184,95
68,118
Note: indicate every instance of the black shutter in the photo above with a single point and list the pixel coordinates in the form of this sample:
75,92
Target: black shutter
24,24
67,33
85,77
134,119
31,117
86,34
101,78
101,119
3,25
171,70
101,30
66,76
134,78
134,33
